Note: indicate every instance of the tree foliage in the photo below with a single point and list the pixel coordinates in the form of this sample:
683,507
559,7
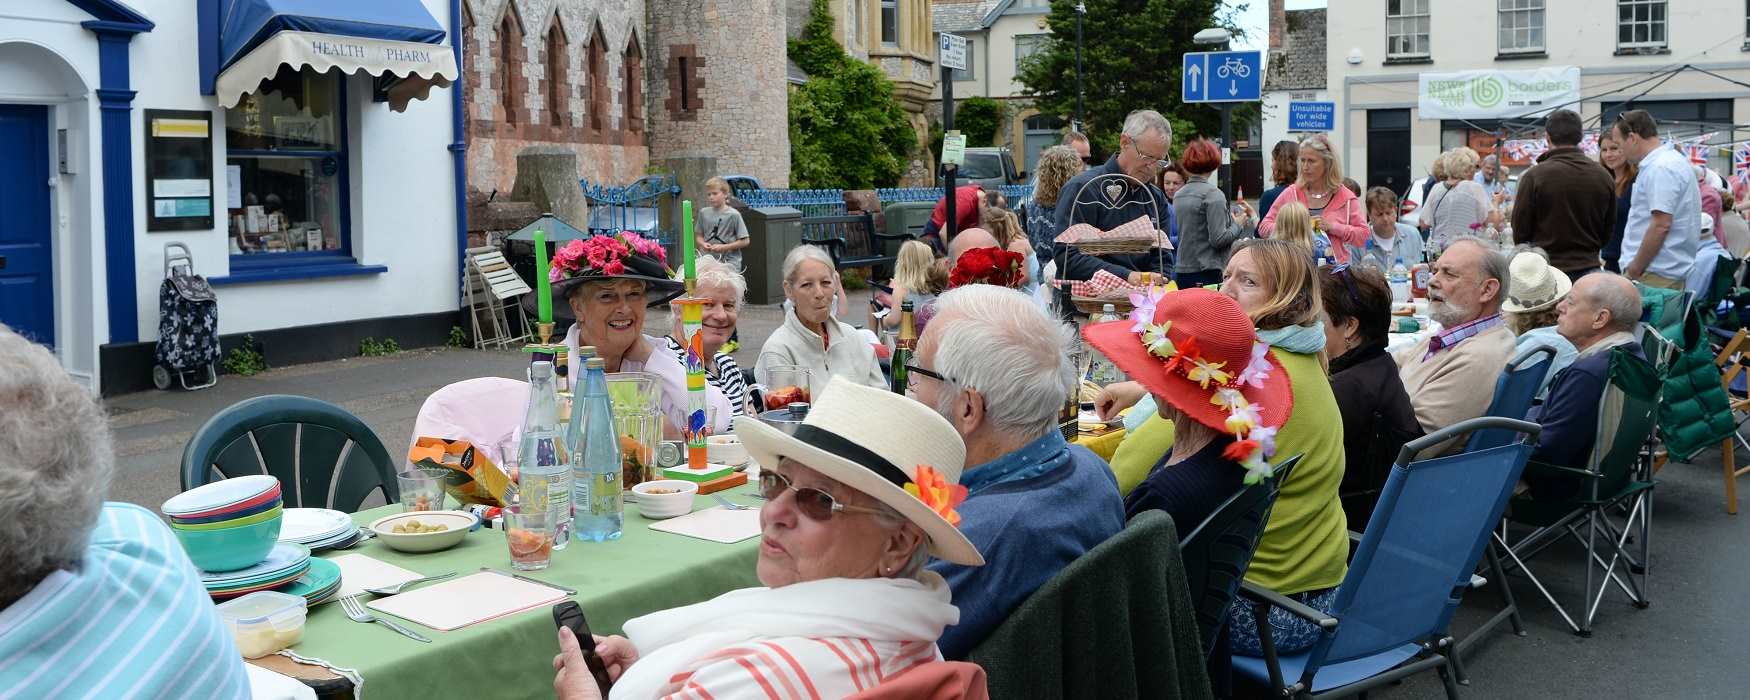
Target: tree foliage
1131,58
978,118
847,130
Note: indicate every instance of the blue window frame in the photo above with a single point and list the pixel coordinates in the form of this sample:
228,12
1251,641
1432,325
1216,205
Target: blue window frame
288,143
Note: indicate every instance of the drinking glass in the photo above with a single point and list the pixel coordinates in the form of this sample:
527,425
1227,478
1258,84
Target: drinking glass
787,384
640,436
421,490
529,533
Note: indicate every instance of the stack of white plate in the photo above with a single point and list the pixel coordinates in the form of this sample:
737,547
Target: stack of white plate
318,528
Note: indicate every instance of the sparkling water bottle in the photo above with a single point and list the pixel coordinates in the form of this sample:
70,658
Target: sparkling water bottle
544,475
597,468
1400,282
1101,370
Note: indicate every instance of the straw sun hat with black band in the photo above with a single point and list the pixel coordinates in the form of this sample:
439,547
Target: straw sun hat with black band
887,446
604,258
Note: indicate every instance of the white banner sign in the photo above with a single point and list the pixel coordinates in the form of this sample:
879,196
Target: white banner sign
1498,94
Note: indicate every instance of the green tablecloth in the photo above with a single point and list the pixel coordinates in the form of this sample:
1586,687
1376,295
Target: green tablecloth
512,657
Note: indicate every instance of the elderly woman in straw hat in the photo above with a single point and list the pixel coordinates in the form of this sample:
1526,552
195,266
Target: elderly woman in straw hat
608,282
1531,310
857,500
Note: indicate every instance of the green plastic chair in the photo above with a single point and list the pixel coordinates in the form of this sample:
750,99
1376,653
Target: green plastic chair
323,456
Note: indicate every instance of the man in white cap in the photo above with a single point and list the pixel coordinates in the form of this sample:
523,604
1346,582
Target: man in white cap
997,367
1599,314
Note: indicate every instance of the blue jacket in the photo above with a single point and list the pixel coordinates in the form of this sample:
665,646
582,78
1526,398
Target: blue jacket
1081,203
1570,415
1028,525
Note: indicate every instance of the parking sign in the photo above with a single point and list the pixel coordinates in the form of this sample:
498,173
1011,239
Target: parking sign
953,51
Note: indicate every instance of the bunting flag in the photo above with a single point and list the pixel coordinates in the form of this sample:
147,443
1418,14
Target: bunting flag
1695,148
1741,161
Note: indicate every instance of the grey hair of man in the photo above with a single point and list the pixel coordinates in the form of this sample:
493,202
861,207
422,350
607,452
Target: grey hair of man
1623,302
1496,265
797,255
55,465
1006,348
1142,121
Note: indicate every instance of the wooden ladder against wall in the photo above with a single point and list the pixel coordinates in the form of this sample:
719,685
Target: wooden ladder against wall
490,283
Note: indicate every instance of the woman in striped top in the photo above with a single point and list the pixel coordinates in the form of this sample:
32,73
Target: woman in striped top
857,501
722,288
97,600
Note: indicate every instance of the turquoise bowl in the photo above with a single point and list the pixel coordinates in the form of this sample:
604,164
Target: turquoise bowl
231,548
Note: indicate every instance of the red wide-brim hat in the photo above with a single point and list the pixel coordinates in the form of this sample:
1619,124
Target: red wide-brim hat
1221,332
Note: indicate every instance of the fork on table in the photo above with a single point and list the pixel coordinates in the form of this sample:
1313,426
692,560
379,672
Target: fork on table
356,611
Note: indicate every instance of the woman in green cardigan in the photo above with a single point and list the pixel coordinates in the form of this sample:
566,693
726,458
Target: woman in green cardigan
1304,551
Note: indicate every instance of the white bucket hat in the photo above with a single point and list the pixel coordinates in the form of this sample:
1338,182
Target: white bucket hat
878,443
1533,285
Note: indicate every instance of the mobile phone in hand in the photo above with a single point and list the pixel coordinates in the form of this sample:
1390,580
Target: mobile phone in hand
570,614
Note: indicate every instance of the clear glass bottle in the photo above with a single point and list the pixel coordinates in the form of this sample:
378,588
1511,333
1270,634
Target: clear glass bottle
545,471
1101,370
596,468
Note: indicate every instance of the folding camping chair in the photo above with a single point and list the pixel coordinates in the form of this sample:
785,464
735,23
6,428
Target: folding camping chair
1732,360
1393,608
1617,475
1514,392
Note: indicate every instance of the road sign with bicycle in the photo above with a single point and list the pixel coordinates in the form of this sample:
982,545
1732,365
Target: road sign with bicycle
1222,76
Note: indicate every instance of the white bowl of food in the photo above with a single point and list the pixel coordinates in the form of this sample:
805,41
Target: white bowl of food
725,449
665,498
423,531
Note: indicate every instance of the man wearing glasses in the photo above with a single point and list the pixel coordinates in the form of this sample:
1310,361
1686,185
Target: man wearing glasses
1114,194
997,367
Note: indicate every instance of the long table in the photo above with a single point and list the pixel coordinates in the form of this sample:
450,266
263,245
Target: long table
511,657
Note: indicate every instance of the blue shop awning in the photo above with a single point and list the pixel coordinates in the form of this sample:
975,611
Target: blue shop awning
394,38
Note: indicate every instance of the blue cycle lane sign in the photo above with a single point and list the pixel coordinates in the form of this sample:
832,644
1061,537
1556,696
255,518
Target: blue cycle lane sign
1223,76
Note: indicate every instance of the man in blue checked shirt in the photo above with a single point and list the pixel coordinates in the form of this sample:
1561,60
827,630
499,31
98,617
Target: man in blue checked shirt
97,600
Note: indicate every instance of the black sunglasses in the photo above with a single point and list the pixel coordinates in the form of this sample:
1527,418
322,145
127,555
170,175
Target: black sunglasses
1342,270
814,503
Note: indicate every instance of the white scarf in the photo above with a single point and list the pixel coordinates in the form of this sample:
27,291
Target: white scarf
878,609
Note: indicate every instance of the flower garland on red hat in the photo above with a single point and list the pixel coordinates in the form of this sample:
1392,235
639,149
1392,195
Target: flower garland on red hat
1254,443
603,255
988,266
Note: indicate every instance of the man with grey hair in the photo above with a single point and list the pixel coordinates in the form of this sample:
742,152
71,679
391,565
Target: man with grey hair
1600,313
1450,376
997,367
98,599
1493,177
1116,193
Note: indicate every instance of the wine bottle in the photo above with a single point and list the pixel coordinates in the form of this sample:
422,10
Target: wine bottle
902,348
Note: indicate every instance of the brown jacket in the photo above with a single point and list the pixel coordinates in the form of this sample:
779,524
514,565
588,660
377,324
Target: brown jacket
1566,205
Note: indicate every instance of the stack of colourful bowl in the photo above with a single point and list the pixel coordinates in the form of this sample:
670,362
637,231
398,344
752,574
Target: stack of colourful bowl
228,525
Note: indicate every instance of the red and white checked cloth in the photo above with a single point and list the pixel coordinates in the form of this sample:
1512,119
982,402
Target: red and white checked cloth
1103,284
1137,229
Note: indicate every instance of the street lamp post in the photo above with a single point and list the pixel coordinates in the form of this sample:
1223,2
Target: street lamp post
1219,38
1081,9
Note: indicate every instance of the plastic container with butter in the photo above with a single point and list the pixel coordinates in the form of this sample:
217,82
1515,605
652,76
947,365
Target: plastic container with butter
264,622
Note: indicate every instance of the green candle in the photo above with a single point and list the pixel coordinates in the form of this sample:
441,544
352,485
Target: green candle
543,287
689,254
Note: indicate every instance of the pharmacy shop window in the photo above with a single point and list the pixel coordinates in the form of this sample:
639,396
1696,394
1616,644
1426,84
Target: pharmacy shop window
286,167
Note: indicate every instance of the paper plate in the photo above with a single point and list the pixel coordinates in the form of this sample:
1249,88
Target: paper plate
305,525
284,556
317,582
219,494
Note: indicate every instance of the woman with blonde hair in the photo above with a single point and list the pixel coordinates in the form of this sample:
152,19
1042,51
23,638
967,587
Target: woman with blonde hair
1463,205
1338,212
911,279
1304,549
1004,226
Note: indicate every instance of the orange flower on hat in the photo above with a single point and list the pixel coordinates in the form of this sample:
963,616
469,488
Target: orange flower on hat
934,491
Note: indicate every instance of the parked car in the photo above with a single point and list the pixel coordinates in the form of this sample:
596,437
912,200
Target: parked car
742,183
991,166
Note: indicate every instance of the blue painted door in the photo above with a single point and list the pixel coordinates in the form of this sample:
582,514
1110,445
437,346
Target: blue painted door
27,285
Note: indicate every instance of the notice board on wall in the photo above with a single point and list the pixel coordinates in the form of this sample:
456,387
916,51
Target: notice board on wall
179,170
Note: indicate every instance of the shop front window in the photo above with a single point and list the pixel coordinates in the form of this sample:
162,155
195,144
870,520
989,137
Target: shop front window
286,163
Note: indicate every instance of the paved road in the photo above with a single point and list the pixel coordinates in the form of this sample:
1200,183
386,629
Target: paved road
1682,646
